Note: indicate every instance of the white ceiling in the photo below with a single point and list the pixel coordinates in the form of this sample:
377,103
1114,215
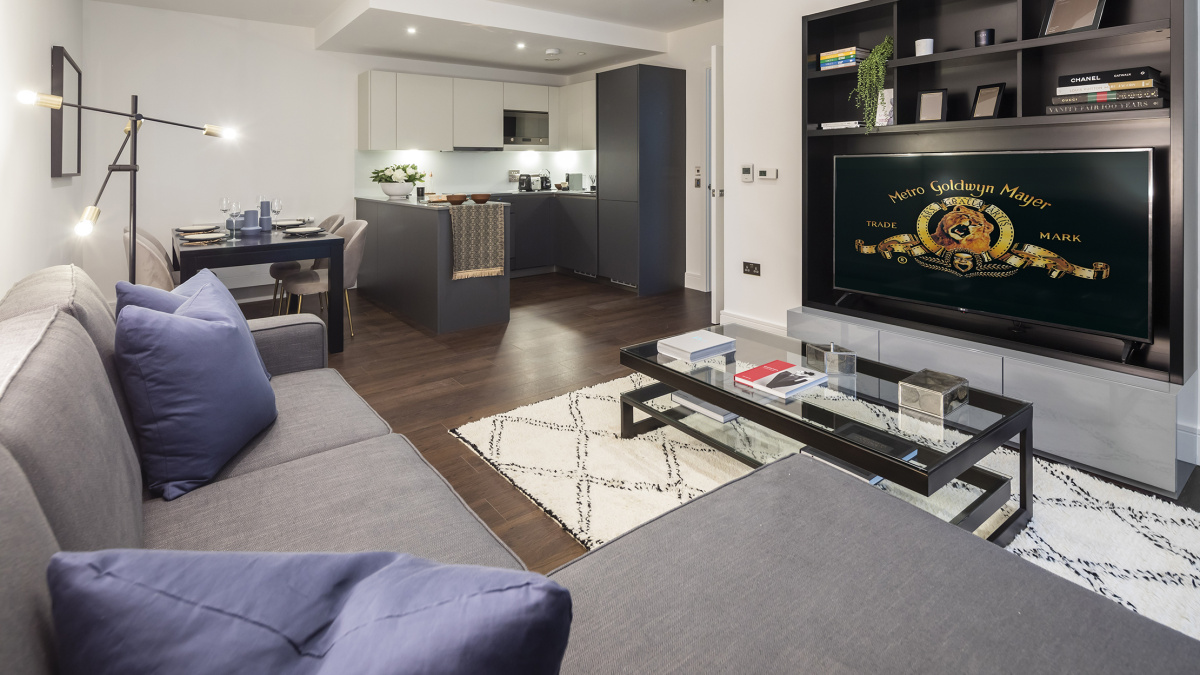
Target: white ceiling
662,15
291,12
384,33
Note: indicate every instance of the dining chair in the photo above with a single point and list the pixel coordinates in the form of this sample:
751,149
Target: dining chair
153,265
316,281
280,270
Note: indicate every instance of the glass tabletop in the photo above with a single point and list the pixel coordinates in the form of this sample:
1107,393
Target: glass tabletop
862,408
246,239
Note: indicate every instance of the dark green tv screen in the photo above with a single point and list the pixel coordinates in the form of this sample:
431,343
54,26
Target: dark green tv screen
1053,238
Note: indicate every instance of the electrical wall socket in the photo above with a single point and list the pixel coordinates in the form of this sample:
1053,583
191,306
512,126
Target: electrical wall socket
514,176
753,269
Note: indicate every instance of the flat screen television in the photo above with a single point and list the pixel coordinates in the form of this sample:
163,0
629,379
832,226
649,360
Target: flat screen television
1058,238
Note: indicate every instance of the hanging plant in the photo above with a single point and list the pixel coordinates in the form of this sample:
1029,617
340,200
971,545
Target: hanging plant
872,75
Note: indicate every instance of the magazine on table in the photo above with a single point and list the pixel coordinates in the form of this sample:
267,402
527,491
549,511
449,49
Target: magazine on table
780,378
696,346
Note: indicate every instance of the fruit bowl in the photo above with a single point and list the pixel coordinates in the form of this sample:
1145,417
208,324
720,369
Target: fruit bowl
456,199
480,198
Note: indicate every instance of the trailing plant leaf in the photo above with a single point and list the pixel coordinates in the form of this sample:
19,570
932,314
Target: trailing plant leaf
872,77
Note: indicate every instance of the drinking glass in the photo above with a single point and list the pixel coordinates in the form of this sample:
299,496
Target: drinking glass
277,208
225,203
235,210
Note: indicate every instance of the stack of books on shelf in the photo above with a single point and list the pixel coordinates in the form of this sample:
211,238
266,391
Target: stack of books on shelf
1109,91
843,58
841,125
696,346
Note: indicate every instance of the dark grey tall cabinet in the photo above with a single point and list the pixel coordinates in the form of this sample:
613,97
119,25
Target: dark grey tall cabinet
642,181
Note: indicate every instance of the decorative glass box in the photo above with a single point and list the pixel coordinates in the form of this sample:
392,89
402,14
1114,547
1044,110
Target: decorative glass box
831,359
933,393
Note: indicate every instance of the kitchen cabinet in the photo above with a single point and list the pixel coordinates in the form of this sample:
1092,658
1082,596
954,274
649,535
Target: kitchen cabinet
377,110
478,114
642,176
526,97
424,112
575,236
534,221
577,110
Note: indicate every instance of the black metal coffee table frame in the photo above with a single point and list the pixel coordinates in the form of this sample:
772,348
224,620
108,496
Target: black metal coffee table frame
938,469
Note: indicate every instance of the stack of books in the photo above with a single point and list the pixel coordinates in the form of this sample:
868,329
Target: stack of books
696,346
703,407
1109,91
841,125
843,58
780,378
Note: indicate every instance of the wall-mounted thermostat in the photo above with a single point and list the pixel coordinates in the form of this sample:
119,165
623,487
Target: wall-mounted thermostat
768,174
747,173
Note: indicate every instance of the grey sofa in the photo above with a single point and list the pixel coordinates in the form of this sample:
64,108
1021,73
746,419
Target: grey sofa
793,568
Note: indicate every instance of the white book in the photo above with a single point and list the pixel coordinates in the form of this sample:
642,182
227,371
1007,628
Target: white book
696,346
703,407
780,378
1105,86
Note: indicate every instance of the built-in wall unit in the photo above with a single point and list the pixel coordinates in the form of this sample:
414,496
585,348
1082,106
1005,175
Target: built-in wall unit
1040,250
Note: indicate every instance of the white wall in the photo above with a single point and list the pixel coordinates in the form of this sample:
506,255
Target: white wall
295,107
690,49
469,172
762,127
39,212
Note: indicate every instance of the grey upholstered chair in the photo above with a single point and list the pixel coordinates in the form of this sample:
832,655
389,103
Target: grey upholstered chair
153,262
280,270
316,281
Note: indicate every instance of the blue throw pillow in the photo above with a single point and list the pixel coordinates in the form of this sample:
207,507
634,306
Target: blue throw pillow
136,295
196,388
186,613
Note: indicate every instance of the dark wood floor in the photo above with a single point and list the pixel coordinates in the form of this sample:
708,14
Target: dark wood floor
564,334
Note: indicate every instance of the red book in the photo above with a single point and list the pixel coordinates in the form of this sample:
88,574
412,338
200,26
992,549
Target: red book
756,374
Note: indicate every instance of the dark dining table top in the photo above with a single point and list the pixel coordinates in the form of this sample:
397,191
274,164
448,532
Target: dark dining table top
272,238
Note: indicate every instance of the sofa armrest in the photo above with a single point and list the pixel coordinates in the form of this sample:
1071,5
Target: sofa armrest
289,344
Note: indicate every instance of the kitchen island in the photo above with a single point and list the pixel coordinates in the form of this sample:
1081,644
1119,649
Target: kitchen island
406,268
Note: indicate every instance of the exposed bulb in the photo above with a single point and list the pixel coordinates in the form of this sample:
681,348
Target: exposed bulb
27,97
83,228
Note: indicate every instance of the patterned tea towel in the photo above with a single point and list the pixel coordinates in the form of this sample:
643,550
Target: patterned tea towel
477,240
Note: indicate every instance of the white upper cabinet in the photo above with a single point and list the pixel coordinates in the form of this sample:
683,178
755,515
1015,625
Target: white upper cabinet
424,112
577,110
377,111
526,97
478,114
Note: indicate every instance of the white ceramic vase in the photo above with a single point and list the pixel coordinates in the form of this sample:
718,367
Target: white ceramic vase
397,191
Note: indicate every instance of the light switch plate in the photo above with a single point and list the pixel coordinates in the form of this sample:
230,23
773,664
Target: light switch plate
768,174
747,173
514,176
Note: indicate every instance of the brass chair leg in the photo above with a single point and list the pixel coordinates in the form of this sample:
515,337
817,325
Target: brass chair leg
350,316
299,303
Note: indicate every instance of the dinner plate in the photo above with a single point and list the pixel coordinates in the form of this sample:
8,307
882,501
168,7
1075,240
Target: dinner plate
288,223
204,237
196,229
303,230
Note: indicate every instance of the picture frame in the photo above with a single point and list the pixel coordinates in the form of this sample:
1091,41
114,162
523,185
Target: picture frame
1072,16
66,124
988,98
931,105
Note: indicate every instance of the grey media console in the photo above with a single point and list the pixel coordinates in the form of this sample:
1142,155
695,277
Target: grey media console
407,266
1136,430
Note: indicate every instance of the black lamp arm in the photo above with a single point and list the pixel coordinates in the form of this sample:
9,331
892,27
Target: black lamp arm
131,116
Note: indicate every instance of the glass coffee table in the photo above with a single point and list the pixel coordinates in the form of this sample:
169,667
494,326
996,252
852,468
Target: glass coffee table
852,421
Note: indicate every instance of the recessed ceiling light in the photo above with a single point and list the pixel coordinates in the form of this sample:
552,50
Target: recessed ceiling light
583,53
412,31
520,45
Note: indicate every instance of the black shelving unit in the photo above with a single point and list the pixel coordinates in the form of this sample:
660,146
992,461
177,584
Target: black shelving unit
1133,33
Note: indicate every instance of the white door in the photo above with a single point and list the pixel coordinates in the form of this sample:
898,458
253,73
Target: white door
716,180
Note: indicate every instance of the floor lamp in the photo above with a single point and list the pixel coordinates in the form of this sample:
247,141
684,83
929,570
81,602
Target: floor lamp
92,213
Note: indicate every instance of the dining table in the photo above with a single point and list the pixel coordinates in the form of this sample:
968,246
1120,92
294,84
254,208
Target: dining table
271,246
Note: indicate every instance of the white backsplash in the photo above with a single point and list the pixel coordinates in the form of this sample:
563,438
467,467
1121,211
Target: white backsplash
469,172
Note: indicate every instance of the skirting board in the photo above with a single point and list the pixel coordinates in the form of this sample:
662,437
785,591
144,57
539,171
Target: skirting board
773,328
695,281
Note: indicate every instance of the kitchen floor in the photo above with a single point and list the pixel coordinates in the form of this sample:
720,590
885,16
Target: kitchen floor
564,334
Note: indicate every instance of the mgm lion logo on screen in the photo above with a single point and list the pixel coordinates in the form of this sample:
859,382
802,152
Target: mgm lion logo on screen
969,238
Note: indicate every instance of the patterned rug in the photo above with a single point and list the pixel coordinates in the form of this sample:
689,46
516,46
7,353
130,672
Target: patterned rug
566,455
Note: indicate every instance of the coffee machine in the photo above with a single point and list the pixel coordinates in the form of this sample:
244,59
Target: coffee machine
525,183
545,180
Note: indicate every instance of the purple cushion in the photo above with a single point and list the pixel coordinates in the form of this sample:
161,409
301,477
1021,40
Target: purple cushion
135,295
186,613
196,388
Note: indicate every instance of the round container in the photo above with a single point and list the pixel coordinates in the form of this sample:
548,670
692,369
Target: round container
396,190
456,199
480,198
